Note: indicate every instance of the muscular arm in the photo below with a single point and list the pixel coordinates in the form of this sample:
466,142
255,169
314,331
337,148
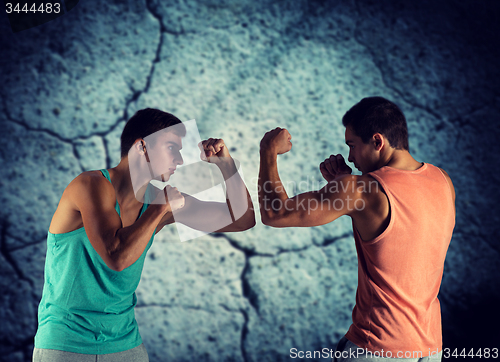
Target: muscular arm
236,214
314,208
308,209
119,247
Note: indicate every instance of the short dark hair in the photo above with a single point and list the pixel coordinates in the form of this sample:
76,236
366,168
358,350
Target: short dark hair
378,115
143,123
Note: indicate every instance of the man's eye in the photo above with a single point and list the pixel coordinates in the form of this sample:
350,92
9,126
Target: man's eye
171,148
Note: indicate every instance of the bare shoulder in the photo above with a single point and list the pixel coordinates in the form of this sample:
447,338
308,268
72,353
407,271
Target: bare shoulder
373,195
90,185
344,182
86,192
369,184
90,180
359,192
353,185
367,204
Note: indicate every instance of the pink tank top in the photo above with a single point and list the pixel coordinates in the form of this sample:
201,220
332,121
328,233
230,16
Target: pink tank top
400,271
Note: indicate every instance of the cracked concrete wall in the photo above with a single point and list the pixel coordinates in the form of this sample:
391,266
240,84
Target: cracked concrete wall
241,68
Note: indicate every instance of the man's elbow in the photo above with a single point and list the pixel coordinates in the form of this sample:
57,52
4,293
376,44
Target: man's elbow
116,265
272,218
246,222
267,220
250,224
119,268
116,261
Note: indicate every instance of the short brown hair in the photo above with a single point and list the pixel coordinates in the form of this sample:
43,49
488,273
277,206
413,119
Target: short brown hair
145,122
378,115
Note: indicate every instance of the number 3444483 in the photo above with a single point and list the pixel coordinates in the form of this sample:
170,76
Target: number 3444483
32,8
466,353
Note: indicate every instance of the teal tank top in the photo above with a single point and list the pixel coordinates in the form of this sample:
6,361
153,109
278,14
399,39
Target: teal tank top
86,307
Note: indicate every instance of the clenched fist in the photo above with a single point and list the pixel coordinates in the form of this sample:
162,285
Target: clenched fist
276,141
214,150
170,197
333,167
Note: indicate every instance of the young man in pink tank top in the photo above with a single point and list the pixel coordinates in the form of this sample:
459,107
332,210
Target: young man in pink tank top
403,215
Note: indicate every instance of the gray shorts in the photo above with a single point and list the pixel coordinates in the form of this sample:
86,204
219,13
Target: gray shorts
137,354
347,351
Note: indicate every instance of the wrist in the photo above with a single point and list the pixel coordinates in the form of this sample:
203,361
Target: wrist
160,209
225,162
267,154
227,167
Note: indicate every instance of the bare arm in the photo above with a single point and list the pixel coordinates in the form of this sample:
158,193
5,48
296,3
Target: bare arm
314,208
118,246
236,214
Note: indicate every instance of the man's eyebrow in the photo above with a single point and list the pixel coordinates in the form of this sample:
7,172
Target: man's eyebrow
175,144
349,141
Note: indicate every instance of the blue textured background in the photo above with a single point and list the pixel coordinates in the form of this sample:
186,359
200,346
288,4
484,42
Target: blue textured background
241,68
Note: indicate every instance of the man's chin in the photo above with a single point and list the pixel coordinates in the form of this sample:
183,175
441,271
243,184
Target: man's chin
163,177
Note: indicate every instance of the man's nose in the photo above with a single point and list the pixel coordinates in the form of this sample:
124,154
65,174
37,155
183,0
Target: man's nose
179,160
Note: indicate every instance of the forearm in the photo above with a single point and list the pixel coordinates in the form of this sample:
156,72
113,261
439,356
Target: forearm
272,194
130,241
238,198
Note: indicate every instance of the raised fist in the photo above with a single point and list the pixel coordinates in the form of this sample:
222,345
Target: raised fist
214,150
276,141
333,167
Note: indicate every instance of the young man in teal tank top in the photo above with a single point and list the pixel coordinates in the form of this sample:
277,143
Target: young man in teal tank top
101,231
388,203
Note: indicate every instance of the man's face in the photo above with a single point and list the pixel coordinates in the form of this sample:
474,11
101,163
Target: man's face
364,156
164,153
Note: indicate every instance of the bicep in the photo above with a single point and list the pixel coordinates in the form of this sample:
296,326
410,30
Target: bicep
167,219
312,208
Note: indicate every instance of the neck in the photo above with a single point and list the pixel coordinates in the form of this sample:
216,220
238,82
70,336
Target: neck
399,159
122,182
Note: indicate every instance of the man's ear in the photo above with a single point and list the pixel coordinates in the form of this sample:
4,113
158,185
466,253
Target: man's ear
378,141
140,146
